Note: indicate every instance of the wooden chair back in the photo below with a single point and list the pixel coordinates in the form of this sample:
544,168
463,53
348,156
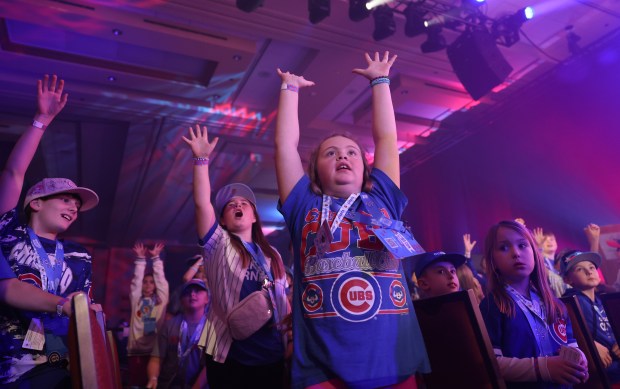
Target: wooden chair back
90,360
457,343
598,378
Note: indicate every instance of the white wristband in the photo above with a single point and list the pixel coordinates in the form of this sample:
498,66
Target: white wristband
290,87
38,124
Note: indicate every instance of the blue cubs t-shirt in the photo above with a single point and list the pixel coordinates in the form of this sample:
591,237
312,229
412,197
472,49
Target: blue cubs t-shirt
352,313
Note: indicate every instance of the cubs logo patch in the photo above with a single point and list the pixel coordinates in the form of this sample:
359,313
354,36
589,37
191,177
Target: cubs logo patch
397,294
53,358
312,298
356,296
559,331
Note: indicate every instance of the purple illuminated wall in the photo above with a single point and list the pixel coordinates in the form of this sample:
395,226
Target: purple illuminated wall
553,158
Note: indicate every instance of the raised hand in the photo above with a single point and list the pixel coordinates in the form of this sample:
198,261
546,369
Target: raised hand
469,245
50,99
538,235
156,250
139,250
293,79
377,67
592,231
198,142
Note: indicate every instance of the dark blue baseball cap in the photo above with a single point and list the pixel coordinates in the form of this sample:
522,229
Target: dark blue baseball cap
422,261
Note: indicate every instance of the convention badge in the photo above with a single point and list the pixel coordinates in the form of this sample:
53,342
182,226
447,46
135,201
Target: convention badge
149,325
35,337
323,239
400,244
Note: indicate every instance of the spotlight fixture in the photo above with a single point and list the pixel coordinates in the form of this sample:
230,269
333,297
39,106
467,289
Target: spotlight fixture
414,20
517,19
435,40
370,4
318,10
477,62
385,25
358,10
506,29
249,5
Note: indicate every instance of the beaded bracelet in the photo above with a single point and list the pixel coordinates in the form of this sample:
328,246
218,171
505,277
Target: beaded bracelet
379,80
201,161
290,87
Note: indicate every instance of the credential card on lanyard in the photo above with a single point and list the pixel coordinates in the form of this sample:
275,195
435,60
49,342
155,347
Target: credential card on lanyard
400,244
35,337
323,239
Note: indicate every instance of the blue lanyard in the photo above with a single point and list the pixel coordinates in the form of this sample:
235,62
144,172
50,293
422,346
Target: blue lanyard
376,217
342,211
268,283
186,344
52,272
259,258
534,312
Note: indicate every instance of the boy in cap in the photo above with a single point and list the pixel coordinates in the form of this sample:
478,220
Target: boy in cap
176,360
436,272
580,271
34,352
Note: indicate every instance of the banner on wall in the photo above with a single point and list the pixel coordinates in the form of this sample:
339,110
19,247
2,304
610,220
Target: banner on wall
610,242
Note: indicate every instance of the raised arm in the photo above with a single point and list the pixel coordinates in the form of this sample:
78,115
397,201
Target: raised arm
468,244
158,273
384,121
198,141
138,272
193,270
50,101
288,162
593,233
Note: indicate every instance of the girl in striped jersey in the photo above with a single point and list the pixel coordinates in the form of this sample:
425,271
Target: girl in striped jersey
238,262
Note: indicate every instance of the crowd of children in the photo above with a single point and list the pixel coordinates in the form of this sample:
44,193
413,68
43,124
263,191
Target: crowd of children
342,318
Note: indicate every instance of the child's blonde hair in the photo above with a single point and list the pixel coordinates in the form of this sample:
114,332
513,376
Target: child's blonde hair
467,280
538,278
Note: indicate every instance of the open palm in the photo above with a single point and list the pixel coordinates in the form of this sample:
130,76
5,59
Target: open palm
198,141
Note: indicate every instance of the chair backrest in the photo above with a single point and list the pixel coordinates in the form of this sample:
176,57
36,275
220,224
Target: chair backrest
457,343
598,378
611,303
89,356
113,355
